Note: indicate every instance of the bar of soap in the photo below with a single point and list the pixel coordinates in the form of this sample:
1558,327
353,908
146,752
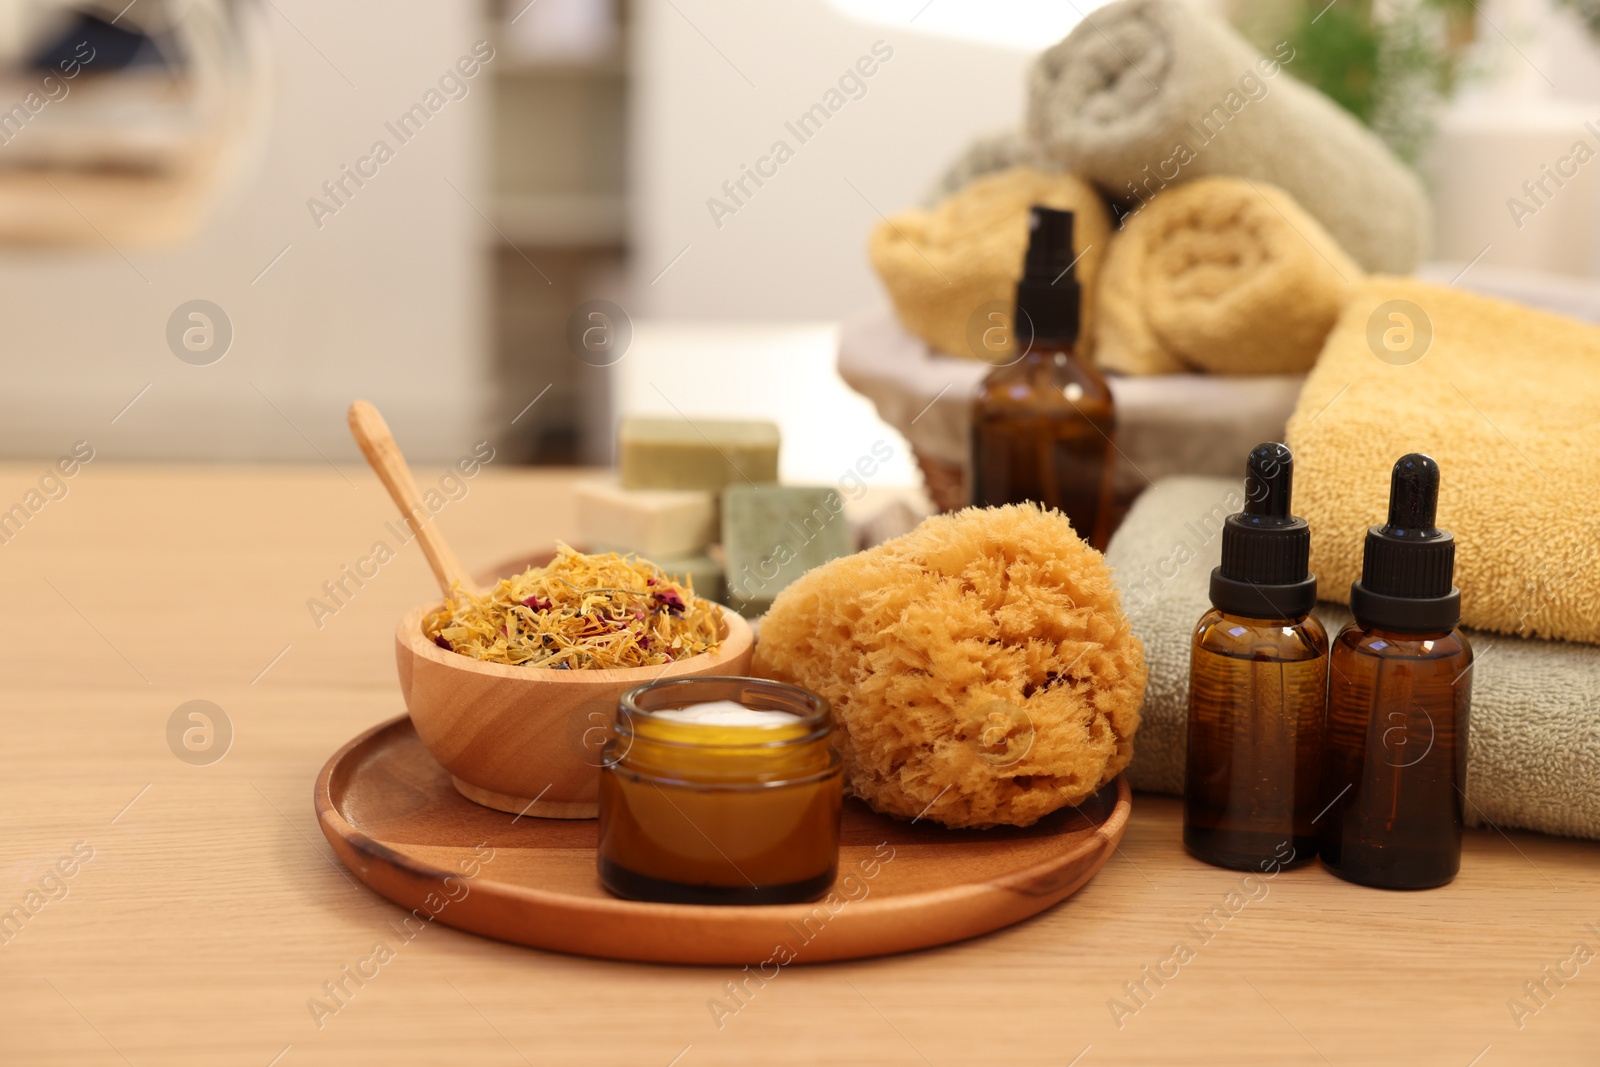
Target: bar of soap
699,570
650,522
704,454
772,534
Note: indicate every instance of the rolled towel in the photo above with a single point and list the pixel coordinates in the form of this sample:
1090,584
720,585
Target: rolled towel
948,269
1507,400
1533,756
1145,93
1195,276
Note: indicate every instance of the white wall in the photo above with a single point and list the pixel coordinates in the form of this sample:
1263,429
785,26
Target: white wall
388,301
1536,97
797,250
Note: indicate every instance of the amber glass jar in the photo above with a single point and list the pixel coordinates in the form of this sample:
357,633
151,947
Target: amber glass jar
1254,770
705,813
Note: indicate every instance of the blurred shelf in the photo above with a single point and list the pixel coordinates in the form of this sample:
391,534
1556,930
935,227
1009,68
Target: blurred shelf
611,63
562,220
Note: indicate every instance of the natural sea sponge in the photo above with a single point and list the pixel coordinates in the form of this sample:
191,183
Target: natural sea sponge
980,668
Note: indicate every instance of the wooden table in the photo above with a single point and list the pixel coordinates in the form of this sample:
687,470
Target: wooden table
211,910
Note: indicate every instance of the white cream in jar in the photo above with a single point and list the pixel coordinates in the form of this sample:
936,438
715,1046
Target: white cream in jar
725,713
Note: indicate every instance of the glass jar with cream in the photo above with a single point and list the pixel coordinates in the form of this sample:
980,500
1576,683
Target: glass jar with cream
720,791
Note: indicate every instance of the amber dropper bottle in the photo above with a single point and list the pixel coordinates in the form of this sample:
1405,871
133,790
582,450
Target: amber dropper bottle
1043,425
1396,771
1258,681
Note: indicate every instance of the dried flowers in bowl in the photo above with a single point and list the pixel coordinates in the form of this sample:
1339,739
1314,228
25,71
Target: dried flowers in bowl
580,612
527,740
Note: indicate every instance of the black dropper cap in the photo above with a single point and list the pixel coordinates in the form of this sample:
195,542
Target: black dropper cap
1266,550
1048,295
1408,573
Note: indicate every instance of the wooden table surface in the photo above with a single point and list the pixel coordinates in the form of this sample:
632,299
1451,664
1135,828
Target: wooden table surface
211,911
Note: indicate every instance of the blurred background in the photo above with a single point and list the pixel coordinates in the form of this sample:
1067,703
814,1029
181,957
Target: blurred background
205,254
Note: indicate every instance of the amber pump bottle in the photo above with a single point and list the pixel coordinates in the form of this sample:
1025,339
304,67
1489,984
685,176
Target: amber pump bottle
1043,425
1396,772
1258,678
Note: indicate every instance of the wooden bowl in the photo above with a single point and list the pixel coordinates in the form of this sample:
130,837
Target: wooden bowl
528,740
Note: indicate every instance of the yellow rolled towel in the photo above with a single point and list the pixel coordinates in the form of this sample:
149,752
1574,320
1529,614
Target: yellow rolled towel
945,269
1507,399
1220,276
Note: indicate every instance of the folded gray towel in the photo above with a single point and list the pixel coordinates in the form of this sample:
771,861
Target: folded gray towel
1533,758
1143,93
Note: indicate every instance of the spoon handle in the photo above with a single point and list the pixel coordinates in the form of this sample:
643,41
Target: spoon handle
378,445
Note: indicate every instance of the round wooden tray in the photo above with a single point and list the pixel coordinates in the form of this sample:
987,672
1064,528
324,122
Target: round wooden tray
390,812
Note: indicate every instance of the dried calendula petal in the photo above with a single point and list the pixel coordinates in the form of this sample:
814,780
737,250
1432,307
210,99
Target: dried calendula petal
580,612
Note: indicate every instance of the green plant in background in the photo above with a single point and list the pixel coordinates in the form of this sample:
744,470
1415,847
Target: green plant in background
1588,11
1392,64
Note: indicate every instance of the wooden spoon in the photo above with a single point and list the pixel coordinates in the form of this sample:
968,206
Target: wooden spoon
378,445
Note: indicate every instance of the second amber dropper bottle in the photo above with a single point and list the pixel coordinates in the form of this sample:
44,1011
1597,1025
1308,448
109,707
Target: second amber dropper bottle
1396,775
1042,425
1258,677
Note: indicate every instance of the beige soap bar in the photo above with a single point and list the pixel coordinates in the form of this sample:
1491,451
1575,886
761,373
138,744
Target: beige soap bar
706,454
654,523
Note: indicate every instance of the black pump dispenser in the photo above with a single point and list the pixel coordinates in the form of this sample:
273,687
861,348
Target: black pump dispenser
1048,295
1266,550
1408,572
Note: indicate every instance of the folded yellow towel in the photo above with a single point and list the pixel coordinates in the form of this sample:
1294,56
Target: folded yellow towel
1220,276
1507,399
947,269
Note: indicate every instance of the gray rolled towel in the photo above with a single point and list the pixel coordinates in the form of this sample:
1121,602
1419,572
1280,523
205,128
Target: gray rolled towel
1533,752
1144,93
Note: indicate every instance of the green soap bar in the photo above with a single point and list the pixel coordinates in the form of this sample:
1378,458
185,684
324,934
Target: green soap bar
707,454
752,609
772,534
701,569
